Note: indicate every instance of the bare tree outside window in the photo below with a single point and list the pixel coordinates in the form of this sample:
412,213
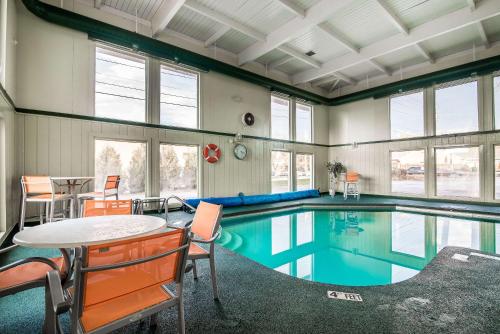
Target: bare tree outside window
304,171
124,158
280,171
179,170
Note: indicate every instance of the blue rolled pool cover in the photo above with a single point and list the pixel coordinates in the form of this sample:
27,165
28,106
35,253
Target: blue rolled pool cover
256,199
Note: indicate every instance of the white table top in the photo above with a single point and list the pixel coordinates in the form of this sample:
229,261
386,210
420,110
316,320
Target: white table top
72,177
72,233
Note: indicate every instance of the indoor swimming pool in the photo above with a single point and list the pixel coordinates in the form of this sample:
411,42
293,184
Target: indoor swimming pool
354,248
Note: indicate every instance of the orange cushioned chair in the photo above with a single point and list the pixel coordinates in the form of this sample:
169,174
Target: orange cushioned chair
122,282
31,272
205,227
92,208
110,189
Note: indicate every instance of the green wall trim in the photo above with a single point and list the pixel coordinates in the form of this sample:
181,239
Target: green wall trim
155,126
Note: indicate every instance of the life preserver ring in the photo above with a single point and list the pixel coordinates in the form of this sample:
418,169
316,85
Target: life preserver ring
216,155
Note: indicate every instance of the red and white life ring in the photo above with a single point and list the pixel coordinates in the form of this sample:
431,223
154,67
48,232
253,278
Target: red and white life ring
211,158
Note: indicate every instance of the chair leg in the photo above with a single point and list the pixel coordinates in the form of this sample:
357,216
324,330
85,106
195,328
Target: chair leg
195,276
41,212
22,215
181,326
52,208
214,276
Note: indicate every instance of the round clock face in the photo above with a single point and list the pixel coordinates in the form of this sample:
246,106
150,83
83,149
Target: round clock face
240,151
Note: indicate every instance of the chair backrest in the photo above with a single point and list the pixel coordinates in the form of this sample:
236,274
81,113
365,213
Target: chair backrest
36,185
206,220
112,182
352,177
92,208
105,285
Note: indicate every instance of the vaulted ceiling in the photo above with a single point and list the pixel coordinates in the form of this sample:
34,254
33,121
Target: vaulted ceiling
328,43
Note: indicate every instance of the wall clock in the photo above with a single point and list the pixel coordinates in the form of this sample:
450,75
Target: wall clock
240,151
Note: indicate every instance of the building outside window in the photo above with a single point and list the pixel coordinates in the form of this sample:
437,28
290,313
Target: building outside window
124,158
457,108
280,118
304,171
179,97
303,122
280,171
120,85
408,172
178,170
457,172
407,115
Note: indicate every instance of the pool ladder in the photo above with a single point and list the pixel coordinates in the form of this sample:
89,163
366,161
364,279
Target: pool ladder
183,202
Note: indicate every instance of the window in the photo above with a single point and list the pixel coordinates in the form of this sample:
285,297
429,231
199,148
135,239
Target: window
179,97
280,171
303,123
304,227
457,232
407,115
457,171
120,86
497,172
124,158
408,233
280,118
456,108
178,170
496,94
304,171
408,172
280,234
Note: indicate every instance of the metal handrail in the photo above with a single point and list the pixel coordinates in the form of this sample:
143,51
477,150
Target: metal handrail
183,202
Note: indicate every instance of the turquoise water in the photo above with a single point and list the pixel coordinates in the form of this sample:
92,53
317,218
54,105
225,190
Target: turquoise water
355,248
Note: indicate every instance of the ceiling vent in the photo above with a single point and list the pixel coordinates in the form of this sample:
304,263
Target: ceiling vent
310,53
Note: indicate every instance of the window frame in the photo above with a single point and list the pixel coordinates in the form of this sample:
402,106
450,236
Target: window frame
424,104
493,105
198,94
311,124
426,172
493,146
198,165
271,116
133,56
312,168
450,84
480,196
290,169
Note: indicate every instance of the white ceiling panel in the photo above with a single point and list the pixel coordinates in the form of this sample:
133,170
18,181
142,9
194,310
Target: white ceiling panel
145,8
453,42
361,71
492,28
363,23
316,40
193,24
234,41
305,4
401,58
271,56
293,66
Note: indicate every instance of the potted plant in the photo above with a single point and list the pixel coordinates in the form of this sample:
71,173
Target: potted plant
335,171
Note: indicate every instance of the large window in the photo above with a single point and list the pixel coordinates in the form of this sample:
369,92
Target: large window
457,108
407,115
457,172
496,94
120,86
178,170
304,171
408,172
303,123
124,158
179,97
280,118
408,233
497,172
280,171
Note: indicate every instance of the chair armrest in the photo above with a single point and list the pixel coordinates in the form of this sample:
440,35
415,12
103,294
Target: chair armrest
28,260
6,249
55,302
208,241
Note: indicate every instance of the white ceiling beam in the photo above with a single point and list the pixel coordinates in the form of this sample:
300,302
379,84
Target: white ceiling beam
300,56
98,4
212,14
345,78
292,7
334,85
325,80
215,37
472,4
379,67
292,29
338,37
440,26
424,53
272,65
165,14
482,34
393,17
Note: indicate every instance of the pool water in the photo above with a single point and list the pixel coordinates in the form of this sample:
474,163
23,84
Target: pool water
354,248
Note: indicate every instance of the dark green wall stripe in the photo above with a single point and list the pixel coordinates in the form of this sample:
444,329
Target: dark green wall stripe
156,126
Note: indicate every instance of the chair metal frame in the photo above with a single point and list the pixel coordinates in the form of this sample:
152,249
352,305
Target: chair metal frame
108,208
351,185
49,202
100,195
210,254
58,302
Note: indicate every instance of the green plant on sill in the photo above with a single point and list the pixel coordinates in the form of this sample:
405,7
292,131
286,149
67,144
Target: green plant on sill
336,168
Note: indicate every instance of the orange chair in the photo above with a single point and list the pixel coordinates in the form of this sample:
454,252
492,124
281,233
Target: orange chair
41,190
92,208
30,273
122,282
206,229
110,189
351,185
